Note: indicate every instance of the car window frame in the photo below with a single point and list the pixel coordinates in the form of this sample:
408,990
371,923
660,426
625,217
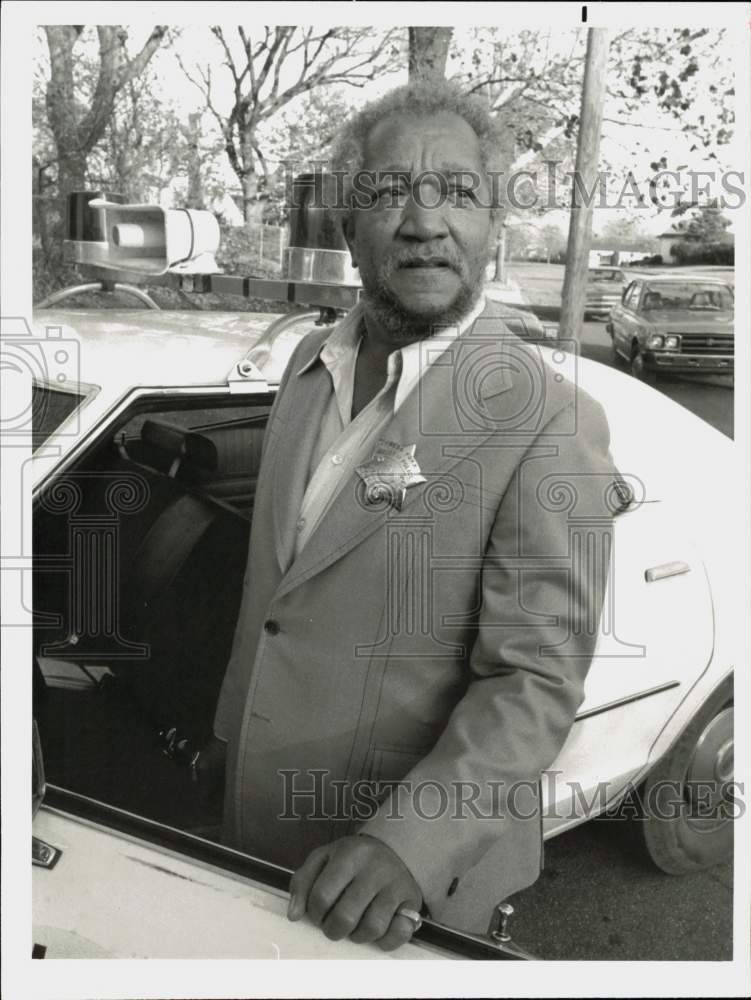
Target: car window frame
633,288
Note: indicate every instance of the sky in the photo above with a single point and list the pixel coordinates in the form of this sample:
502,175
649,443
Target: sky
623,145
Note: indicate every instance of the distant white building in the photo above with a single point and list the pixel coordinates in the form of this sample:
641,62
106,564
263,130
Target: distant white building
614,258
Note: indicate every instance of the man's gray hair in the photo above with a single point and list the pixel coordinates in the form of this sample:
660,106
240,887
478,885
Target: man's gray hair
421,97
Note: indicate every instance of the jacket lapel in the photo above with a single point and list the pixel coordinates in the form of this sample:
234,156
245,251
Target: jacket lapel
292,459
453,409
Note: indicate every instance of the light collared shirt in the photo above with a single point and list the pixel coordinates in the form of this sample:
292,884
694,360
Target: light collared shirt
343,443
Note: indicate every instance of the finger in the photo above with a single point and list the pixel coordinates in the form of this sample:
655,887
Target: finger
344,917
328,887
400,931
376,920
302,882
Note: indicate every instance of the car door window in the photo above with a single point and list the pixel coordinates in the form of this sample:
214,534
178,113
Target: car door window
51,407
140,553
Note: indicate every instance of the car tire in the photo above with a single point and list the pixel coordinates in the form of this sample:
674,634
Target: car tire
683,840
638,370
617,358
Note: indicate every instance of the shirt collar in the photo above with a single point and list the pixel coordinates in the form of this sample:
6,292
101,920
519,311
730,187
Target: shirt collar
347,333
344,338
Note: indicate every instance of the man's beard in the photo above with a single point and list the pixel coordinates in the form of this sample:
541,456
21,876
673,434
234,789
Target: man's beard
399,321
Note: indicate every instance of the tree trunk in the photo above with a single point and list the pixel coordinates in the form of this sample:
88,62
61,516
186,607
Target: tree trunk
76,133
71,173
500,257
587,164
195,181
428,52
250,207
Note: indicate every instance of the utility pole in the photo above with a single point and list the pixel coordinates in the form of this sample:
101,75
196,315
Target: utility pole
585,182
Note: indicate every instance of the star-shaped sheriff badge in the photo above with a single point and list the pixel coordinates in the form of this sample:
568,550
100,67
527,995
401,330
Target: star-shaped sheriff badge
388,473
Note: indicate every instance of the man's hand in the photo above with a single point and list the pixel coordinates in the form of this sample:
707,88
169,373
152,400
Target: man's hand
353,888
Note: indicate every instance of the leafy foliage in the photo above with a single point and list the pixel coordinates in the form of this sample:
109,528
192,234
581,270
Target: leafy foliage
662,66
706,223
703,253
533,80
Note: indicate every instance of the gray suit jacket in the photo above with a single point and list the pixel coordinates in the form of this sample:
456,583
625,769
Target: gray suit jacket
445,644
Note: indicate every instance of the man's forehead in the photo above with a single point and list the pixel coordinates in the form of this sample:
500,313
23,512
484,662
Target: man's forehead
403,140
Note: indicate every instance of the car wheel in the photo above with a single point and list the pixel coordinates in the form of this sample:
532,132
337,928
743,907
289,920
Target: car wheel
617,358
687,800
639,370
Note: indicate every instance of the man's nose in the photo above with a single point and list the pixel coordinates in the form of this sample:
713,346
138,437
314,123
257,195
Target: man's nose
423,217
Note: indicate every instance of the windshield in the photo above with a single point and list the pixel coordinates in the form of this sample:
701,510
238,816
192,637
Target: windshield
688,295
605,274
49,408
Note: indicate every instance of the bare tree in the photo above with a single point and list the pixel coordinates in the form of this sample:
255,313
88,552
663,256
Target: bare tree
192,136
268,71
428,51
78,127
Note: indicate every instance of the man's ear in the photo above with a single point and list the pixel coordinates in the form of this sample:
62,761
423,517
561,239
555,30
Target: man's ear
348,228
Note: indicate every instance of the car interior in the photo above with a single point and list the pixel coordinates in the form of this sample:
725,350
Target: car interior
652,300
139,555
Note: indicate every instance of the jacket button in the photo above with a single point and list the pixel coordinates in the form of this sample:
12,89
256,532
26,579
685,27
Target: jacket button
271,625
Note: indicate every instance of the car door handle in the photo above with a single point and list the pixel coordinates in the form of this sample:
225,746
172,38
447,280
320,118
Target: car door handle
44,855
664,570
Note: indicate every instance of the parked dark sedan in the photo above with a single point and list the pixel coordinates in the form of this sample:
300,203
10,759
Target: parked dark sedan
674,323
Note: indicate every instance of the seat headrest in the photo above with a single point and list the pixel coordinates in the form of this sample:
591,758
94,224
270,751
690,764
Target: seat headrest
180,446
652,300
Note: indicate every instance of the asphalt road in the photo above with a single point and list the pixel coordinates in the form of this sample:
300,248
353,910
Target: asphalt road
598,899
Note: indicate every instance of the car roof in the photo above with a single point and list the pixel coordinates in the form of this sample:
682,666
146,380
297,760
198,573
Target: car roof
674,276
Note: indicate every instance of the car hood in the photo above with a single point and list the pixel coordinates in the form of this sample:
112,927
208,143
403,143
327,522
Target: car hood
690,321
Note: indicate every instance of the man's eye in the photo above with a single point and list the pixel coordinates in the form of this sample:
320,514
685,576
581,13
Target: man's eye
462,195
393,195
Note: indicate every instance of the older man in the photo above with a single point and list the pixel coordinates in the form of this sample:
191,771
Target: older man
418,616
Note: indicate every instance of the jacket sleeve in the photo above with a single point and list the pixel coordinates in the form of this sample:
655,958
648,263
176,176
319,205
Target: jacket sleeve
543,583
